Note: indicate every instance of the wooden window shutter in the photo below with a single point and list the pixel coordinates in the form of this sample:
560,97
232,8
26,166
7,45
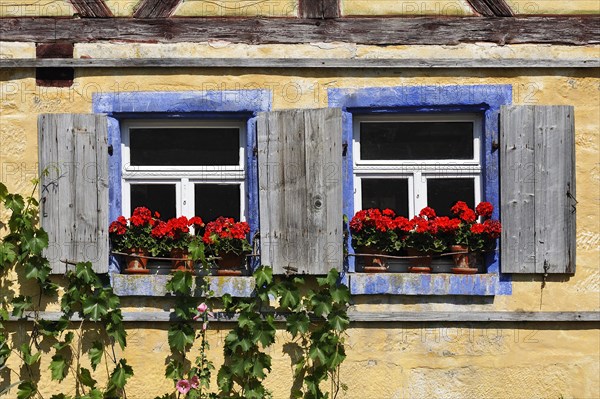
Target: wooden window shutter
300,190
537,196
73,152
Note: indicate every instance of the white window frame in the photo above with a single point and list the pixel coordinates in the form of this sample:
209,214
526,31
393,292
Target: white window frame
183,177
417,171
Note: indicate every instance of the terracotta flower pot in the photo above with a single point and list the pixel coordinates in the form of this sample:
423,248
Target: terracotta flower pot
465,262
136,264
421,261
230,264
183,265
373,263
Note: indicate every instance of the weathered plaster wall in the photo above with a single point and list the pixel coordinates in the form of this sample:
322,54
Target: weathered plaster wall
387,360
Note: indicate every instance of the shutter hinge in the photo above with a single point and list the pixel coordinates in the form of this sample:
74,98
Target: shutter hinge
574,206
110,150
495,145
255,151
344,149
289,270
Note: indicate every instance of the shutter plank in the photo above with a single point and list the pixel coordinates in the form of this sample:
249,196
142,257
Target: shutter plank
554,138
518,190
537,172
300,190
75,193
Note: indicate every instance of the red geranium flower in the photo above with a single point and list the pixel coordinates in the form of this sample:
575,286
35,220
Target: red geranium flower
484,209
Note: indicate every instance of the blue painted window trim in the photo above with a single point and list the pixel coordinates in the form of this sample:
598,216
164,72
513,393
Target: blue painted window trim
485,99
238,104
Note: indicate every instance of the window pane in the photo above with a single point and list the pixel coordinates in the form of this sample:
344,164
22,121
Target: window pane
156,197
214,200
416,140
443,193
386,193
184,147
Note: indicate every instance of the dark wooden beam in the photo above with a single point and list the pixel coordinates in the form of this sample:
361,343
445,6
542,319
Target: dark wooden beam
318,63
579,30
320,9
91,8
491,8
156,8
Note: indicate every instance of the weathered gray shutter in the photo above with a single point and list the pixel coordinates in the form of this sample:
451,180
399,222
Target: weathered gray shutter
300,183
537,189
73,161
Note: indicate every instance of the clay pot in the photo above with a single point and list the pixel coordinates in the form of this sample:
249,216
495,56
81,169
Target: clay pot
230,264
183,265
372,262
421,263
136,264
465,262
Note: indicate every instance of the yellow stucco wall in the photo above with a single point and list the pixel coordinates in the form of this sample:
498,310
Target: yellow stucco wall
289,8
385,360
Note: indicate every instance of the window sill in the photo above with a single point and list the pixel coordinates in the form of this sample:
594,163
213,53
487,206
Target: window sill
424,284
154,285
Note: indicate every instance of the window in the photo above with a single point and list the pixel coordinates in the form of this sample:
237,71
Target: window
192,167
410,161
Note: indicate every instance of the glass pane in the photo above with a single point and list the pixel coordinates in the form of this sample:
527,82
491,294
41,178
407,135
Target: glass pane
184,147
416,140
443,193
156,197
386,193
214,200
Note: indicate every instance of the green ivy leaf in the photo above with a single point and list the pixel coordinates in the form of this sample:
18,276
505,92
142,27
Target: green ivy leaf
180,336
338,321
60,396
321,305
336,358
227,300
94,307
64,344
225,379
85,377
35,241
196,249
316,352
52,328
174,370
180,283
37,268
58,366
265,335
119,376
340,294
95,353
14,202
297,323
26,390
3,191
289,299
28,358
20,305
117,331
93,394
8,253
85,273
263,276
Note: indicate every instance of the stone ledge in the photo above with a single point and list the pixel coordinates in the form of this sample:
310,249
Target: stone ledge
154,285
424,284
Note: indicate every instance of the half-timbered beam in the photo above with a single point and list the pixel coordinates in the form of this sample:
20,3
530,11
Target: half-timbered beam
491,8
319,63
156,8
91,8
320,9
579,30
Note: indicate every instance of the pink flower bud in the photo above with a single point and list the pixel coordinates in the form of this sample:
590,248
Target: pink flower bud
194,382
202,307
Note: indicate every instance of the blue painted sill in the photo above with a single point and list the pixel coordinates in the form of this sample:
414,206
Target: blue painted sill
426,284
154,285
